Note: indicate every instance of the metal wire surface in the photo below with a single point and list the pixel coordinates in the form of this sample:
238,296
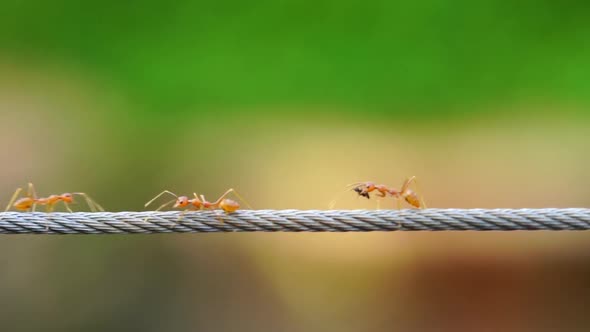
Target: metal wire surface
295,221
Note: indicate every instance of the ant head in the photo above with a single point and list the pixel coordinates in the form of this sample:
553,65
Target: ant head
229,205
182,201
361,191
67,197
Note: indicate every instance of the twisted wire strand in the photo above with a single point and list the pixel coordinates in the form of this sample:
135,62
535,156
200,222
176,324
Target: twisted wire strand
294,221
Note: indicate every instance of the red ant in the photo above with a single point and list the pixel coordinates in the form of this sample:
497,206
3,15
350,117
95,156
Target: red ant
200,203
365,188
31,201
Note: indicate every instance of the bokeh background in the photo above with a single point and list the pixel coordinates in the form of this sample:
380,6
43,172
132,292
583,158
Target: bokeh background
287,102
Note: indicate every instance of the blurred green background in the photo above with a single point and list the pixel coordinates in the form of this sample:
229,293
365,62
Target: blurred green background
287,102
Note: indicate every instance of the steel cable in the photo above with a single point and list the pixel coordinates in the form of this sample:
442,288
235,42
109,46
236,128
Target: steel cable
295,221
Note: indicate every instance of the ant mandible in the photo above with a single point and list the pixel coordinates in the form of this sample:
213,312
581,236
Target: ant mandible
200,203
364,189
30,201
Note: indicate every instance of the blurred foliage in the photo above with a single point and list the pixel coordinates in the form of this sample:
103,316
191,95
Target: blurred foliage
425,57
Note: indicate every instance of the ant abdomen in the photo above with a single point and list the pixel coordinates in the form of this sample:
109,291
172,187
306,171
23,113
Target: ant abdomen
24,203
412,199
229,205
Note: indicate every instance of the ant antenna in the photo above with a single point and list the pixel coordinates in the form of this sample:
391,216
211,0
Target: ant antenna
164,205
336,198
158,196
91,203
355,184
161,206
339,195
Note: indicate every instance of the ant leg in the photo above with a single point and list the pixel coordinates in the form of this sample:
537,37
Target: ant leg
158,196
382,190
240,198
13,199
160,208
216,203
48,209
68,207
399,203
378,204
418,191
183,213
31,192
190,208
407,184
200,200
219,218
